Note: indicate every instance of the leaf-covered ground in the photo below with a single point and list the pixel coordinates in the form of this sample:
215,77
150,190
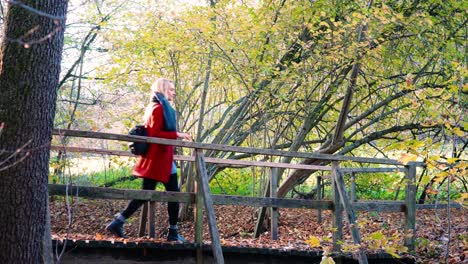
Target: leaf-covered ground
236,225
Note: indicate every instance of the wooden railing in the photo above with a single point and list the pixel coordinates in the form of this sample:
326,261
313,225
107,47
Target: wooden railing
203,199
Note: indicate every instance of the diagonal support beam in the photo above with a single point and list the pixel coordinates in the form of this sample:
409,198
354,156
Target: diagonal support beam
340,185
204,188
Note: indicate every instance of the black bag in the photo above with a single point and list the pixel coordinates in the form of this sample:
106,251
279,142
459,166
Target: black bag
138,148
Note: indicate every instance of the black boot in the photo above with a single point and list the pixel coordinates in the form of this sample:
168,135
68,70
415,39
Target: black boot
116,228
175,236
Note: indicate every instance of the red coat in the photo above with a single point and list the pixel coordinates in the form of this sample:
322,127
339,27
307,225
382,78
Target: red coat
157,163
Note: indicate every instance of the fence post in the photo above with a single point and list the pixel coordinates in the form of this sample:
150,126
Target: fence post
340,185
204,188
198,215
352,193
319,197
274,210
262,212
143,220
337,211
410,208
151,224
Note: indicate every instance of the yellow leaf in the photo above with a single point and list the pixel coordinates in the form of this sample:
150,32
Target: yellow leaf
407,157
452,160
392,252
327,260
313,241
98,236
457,131
377,235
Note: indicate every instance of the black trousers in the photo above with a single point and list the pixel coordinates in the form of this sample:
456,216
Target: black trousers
149,184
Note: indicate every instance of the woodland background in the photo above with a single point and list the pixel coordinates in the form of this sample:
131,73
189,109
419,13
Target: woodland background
363,78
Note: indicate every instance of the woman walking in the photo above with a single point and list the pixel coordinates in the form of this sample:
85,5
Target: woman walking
157,165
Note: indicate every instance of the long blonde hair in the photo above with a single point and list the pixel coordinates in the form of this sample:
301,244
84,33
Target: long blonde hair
160,85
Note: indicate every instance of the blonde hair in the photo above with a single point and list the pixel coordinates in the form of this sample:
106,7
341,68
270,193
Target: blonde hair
160,85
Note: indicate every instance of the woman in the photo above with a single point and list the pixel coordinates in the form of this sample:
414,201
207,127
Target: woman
158,163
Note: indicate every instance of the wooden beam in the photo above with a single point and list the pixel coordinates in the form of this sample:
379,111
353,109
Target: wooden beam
274,210
410,202
191,158
198,215
318,191
379,206
262,212
352,189
143,220
151,224
219,147
121,194
340,184
208,201
438,206
337,221
369,170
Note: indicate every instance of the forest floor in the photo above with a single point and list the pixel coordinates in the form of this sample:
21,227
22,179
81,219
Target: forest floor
236,225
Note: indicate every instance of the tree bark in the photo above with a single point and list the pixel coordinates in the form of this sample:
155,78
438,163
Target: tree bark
29,73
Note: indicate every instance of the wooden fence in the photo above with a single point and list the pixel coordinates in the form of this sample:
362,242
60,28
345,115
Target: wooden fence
203,199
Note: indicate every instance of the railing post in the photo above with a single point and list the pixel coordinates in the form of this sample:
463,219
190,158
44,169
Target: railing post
151,224
319,197
337,211
352,191
147,222
340,185
204,188
143,220
262,212
198,215
274,210
410,208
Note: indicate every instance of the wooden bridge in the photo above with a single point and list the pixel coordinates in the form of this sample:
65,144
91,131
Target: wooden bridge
343,201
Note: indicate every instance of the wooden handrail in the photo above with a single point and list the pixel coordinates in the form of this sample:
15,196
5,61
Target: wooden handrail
219,147
191,158
184,197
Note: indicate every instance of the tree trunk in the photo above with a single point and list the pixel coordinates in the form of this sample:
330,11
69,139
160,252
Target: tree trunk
29,72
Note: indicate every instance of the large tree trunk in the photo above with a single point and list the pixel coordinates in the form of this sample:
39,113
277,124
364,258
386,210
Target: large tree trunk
29,73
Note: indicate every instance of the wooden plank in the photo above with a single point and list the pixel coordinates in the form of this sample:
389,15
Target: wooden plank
271,202
337,221
318,191
340,184
205,189
198,211
267,164
92,151
261,212
352,190
368,170
219,147
410,202
151,222
121,194
438,206
274,210
207,160
379,206
143,220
